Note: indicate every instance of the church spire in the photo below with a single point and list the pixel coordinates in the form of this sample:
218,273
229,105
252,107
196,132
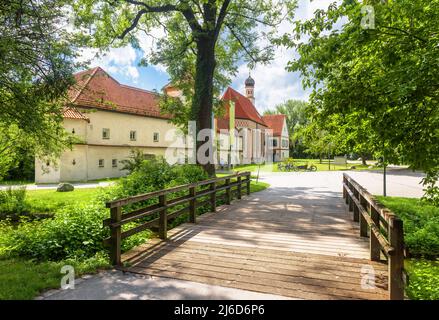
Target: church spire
250,88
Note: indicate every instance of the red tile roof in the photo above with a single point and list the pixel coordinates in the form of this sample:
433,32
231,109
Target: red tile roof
275,122
97,89
244,108
73,113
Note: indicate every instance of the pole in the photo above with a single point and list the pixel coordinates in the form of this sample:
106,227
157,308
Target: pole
384,177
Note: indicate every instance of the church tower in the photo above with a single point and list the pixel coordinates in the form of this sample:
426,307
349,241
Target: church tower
250,89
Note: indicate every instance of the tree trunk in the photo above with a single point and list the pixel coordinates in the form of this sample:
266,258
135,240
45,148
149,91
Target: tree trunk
363,159
202,104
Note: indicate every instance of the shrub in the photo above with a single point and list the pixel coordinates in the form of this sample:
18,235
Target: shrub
76,231
13,201
421,224
423,279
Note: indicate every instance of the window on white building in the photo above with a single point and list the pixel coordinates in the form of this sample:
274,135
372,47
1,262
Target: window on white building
156,137
114,163
101,163
105,133
133,135
274,142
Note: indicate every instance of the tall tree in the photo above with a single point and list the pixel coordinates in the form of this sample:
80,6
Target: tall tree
35,72
380,63
203,40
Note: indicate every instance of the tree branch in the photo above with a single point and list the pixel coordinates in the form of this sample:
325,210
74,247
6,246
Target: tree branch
242,44
221,17
147,9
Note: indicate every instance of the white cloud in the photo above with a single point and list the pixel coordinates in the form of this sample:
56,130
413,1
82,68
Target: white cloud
274,84
116,60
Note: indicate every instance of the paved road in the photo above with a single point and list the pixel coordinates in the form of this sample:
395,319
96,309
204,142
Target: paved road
116,285
400,183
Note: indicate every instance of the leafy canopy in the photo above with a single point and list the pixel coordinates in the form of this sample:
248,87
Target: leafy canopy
386,75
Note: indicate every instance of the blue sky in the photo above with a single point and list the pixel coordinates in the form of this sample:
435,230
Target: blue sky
274,84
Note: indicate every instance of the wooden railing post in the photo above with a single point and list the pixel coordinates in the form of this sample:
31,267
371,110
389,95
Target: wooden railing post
228,191
344,188
115,250
248,184
375,248
213,196
239,187
356,214
396,260
192,205
163,220
363,222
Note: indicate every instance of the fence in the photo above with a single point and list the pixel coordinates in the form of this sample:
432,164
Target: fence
196,194
384,229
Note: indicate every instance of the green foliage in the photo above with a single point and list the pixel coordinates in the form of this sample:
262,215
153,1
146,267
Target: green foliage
35,73
24,279
74,232
134,160
423,279
421,224
13,202
377,85
50,201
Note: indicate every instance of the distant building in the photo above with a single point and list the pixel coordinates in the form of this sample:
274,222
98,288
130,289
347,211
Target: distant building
281,139
110,119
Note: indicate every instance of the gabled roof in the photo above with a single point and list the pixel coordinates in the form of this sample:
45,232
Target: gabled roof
275,122
244,108
97,89
73,113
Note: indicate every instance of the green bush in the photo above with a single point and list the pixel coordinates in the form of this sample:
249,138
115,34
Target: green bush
421,224
76,231
13,202
423,279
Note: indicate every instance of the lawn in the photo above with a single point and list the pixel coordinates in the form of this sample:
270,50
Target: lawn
324,166
24,279
421,237
49,201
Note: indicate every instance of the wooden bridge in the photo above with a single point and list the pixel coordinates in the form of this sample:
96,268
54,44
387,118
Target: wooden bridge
278,241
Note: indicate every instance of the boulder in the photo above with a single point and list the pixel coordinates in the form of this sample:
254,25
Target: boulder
65,187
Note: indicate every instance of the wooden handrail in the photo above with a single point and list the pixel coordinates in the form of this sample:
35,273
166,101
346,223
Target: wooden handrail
162,208
370,213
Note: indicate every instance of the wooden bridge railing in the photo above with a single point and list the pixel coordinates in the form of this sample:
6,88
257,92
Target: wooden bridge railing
198,194
384,229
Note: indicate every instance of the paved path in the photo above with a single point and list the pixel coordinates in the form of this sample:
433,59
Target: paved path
295,239
117,285
52,186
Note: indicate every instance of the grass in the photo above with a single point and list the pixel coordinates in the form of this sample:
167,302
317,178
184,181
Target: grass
23,279
259,186
49,201
421,236
324,166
